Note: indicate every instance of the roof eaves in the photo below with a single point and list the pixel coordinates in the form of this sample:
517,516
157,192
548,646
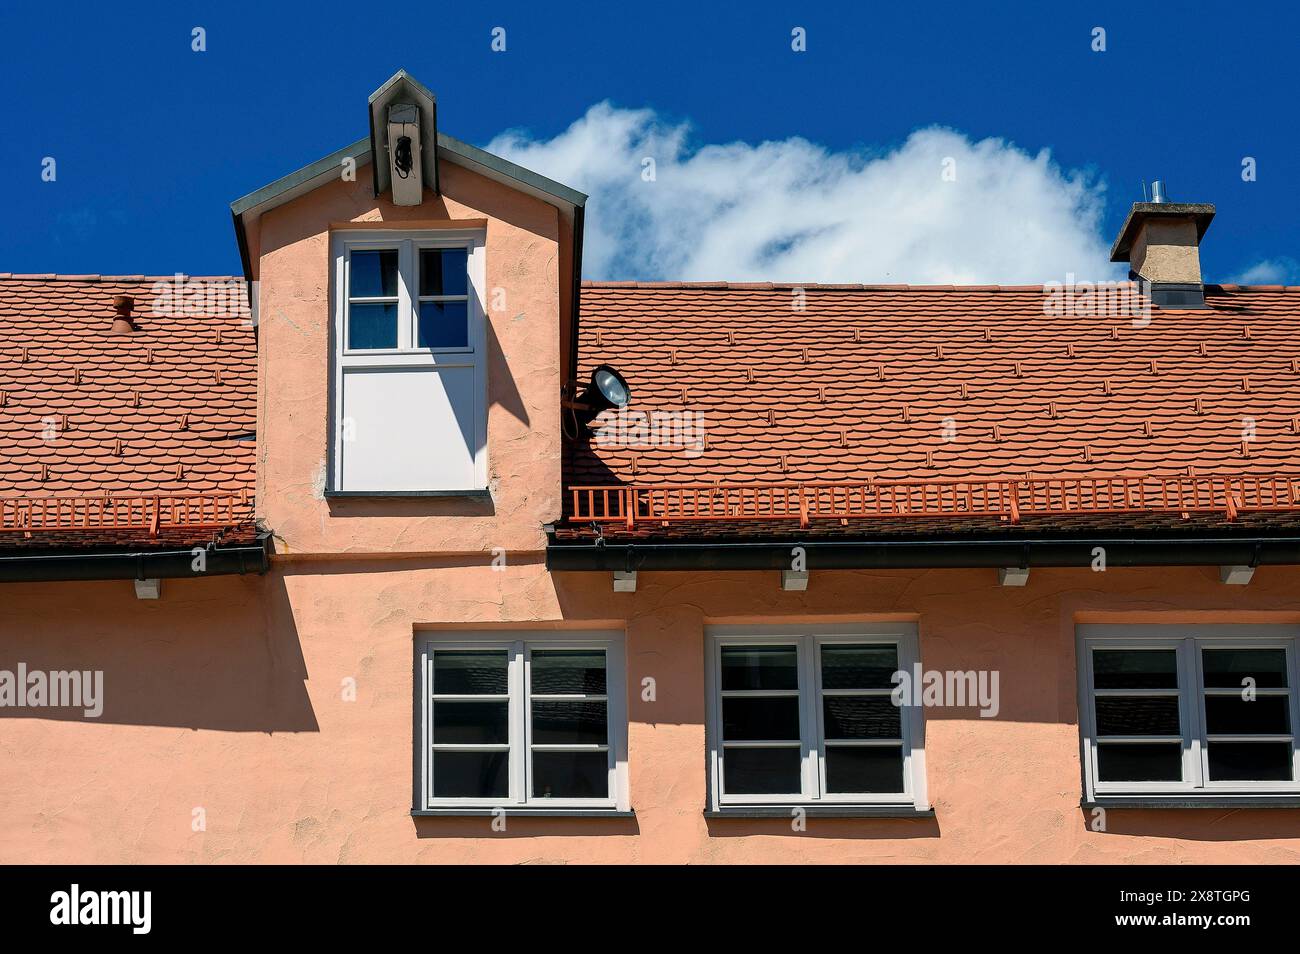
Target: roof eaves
92,563
472,157
286,188
709,553
301,181
570,202
316,174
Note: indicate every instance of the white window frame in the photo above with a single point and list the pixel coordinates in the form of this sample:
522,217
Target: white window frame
519,647
1187,641
809,638
406,355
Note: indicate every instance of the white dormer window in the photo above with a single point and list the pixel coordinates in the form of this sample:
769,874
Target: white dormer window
409,377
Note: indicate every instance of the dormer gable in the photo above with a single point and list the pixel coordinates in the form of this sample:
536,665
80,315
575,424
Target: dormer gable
414,339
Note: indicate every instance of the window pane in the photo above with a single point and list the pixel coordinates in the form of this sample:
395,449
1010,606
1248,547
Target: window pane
444,324
444,271
761,771
565,723
470,774
567,671
1250,761
760,667
475,723
1226,668
1134,669
760,720
1233,715
1138,716
864,768
372,326
470,673
373,274
571,774
861,717
1140,762
859,667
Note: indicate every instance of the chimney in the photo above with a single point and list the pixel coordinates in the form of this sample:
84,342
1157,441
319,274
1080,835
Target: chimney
1160,241
122,324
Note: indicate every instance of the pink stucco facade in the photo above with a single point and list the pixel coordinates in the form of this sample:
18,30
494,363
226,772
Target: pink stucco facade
230,731
227,696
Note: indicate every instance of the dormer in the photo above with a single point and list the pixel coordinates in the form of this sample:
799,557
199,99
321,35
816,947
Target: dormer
416,325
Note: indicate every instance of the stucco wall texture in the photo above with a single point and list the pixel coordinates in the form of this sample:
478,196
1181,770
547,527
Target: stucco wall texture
522,255
227,696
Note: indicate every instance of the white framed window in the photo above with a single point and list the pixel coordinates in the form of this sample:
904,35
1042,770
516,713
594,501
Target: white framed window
536,720
806,715
408,382
1188,711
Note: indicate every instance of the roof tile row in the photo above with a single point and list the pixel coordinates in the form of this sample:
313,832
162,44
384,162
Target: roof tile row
763,383
168,408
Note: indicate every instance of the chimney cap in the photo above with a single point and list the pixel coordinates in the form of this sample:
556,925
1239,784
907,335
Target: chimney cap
1142,212
122,323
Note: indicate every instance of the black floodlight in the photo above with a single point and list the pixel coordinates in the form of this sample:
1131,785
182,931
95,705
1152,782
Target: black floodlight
608,389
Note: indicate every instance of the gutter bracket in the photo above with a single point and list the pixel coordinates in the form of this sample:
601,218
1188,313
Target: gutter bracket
794,580
1013,576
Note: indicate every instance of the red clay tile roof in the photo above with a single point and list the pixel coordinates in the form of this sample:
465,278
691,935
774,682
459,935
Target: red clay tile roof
942,383
168,409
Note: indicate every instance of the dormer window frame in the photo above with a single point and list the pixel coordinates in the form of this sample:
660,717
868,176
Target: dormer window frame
408,298
407,356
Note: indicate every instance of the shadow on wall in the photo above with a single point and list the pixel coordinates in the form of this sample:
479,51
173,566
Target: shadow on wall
219,653
399,506
888,829
992,654
503,391
1012,676
1198,824
526,827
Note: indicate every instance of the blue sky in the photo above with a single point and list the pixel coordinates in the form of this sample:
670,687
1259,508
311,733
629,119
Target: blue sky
153,140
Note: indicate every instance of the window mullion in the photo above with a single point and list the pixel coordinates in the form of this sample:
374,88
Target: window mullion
1192,696
817,726
427,751
518,681
811,754
1293,685
405,295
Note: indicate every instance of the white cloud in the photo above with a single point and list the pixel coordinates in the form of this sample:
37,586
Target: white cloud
1271,271
794,211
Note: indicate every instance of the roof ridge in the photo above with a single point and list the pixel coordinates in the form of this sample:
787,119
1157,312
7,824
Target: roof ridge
702,285
830,286
59,277
786,286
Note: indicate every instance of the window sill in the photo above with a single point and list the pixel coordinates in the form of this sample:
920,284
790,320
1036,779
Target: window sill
820,811
473,494
1192,801
511,812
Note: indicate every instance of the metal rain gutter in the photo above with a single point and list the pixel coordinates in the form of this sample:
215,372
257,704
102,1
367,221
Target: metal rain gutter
925,554
142,565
